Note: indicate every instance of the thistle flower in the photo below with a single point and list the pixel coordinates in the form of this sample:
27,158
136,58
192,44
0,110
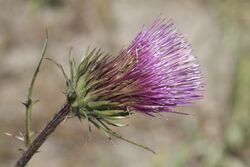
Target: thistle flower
155,73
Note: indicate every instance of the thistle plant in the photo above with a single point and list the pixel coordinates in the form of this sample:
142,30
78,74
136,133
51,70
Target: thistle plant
155,73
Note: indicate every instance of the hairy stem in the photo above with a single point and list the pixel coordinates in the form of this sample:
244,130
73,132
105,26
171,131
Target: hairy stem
41,138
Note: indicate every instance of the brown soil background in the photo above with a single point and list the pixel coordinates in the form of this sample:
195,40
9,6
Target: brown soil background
217,135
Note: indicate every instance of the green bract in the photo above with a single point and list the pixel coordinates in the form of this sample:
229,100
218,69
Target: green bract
80,88
84,100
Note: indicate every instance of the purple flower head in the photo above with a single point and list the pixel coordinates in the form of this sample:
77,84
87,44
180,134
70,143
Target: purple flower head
156,73
165,73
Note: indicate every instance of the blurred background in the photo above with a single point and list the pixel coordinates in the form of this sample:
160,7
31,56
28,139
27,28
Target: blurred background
216,135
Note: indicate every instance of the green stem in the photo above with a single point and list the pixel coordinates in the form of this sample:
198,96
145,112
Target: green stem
28,125
29,103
